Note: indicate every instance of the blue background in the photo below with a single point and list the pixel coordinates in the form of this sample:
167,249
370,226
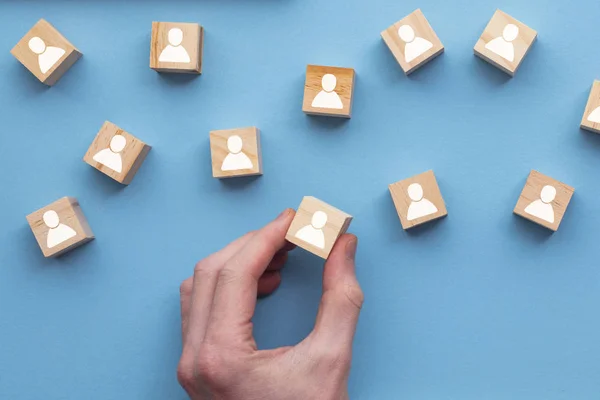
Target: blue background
480,305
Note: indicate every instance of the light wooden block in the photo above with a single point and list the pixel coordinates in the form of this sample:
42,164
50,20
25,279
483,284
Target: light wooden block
235,152
328,91
505,42
544,200
45,52
591,117
412,41
116,153
176,47
60,227
317,226
418,200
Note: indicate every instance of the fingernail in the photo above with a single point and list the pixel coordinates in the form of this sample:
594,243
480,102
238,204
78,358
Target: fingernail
351,248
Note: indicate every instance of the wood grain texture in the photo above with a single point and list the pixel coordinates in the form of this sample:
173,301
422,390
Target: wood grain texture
531,192
592,106
193,43
493,30
337,224
71,215
344,88
431,192
417,21
132,156
51,37
250,147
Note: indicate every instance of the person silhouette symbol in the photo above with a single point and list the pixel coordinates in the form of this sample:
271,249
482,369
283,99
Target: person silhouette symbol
58,233
415,46
503,45
236,159
47,56
313,233
594,116
419,206
328,98
542,208
174,52
111,157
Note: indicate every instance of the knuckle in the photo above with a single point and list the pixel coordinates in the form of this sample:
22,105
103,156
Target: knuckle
228,275
185,372
204,267
213,368
336,359
355,295
186,287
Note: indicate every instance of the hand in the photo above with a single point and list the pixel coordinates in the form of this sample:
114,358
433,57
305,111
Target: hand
220,359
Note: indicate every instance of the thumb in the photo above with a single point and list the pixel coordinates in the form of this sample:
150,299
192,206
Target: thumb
342,296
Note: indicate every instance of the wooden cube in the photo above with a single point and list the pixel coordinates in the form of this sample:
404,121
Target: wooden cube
60,227
116,153
412,41
505,42
235,152
176,47
317,226
544,200
591,116
418,200
328,91
45,52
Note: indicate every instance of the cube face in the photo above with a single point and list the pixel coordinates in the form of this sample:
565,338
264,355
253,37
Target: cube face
412,41
328,91
176,47
505,42
418,200
45,52
116,153
60,227
317,226
591,117
544,200
235,152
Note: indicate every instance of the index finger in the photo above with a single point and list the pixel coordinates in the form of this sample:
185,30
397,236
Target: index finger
237,285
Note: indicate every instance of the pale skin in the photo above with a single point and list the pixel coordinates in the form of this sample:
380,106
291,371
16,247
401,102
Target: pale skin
220,359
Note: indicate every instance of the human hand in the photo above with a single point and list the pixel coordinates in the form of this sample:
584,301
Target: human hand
220,359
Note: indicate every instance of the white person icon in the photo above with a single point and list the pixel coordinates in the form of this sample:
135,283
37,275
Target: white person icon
174,52
58,233
594,116
415,46
111,157
327,97
542,207
419,206
503,45
313,233
236,159
48,56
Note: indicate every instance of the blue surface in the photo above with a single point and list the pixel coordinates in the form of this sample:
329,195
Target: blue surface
480,305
